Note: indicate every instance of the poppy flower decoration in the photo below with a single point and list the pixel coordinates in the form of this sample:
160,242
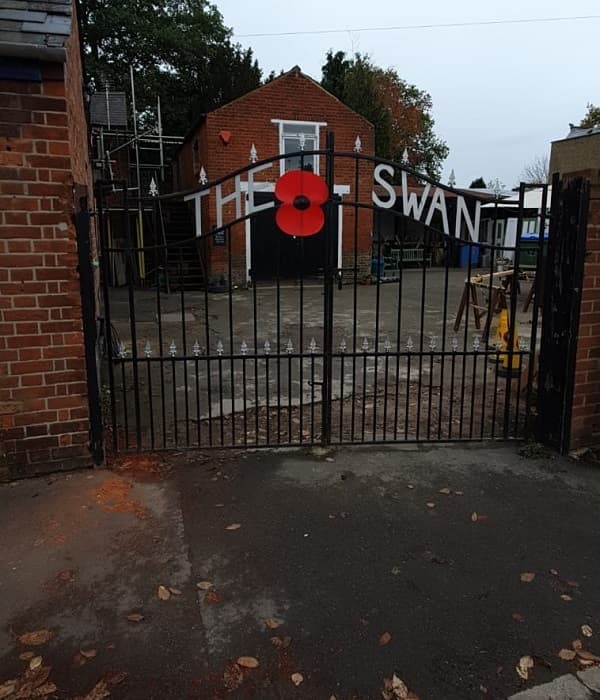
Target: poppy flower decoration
302,195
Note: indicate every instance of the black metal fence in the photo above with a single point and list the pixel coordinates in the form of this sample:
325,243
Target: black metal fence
434,343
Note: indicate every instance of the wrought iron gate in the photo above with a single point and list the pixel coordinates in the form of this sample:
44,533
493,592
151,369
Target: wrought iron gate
395,339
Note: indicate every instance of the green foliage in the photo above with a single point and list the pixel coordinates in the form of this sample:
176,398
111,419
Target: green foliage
592,116
399,111
179,50
479,183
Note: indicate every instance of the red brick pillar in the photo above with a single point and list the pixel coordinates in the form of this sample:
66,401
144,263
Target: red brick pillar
585,418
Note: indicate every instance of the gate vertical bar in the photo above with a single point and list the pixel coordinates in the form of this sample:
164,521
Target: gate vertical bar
88,313
330,223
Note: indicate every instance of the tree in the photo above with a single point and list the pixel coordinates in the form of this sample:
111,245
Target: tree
479,183
399,111
180,50
592,116
536,172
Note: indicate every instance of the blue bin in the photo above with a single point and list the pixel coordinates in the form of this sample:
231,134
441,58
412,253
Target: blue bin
464,255
377,267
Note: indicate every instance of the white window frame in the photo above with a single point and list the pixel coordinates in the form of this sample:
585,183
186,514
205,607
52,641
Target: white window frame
280,124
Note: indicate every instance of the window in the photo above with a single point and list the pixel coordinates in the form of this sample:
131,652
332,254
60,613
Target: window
299,136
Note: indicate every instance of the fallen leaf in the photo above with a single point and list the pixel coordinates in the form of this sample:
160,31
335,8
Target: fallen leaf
233,676
272,624
43,690
88,653
233,526
297,678
36,662
586,630
385,638
524,667
204,585
564,596
116,678
585,662
517,617
7,688
527,577
567,654
247,662
26,655
135,617
79,660
430,505
587,655
474,517
213,598
281,643
410,486
554,572
174,591
458,493
445,491
98,692
573,584
163,593
34,639
576,644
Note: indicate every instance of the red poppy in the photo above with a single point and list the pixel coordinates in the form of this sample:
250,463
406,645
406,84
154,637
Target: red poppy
302,195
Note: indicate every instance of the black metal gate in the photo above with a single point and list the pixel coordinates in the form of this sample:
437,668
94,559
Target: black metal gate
420,325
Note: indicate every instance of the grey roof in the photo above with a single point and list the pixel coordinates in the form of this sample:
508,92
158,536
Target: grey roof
108,109
35,28
577,131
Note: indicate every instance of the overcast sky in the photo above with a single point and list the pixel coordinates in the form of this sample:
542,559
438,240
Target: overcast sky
500,93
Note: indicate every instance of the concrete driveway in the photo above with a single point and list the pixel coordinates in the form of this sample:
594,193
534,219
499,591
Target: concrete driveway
345,569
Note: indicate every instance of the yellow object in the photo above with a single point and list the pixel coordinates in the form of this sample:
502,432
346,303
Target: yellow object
502,338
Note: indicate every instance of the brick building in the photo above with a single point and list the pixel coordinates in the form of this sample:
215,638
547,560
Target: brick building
45,178
285,115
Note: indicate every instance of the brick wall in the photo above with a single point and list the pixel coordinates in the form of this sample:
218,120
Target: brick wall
296,97
43,398
585,421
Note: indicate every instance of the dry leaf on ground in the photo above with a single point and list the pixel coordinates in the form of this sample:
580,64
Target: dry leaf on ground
517,617
474,517
393,688
524,667
272,623
281,643
174,591
458,493
98,692
88,653
7,688
36,662
385,638
445,491
204,585
566,597
26,655
233,526
43,690
527,577
135,617
587,655
233,676
213,598
586,630
247,662
554,572
297,678
576,644
164,593
567,654
430,504
33,639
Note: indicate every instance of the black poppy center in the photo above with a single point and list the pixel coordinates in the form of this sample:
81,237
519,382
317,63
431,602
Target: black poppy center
301,202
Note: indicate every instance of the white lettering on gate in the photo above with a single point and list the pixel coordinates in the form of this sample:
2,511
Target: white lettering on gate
197,197
472,225
255,187
389,203
410,201
438,202
235,196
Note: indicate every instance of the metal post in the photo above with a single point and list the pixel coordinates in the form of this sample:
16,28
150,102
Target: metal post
140,219
330,232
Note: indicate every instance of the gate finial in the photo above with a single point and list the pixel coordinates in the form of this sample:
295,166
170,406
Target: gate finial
357,145
253,154
202,179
